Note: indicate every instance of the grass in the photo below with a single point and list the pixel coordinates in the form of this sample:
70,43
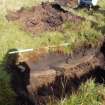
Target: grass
88,94
12,37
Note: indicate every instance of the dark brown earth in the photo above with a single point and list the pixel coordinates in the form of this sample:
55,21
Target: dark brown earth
52,75
44,17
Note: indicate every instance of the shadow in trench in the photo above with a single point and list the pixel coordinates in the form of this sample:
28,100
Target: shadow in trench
20,75
98,74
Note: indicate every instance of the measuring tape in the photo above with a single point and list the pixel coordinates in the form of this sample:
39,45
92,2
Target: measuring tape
30,50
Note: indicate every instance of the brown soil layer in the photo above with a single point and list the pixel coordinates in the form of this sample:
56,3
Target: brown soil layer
52,75
44,17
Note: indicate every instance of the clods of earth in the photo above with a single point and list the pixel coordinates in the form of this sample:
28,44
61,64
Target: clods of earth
44,17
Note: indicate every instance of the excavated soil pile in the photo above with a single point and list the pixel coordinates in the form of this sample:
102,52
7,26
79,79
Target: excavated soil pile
44,17
42,76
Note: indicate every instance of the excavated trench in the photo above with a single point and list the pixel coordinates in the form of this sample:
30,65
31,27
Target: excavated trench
44,17
42,76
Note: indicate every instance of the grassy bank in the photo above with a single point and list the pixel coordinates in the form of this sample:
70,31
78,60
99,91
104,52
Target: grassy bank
12,36
88,94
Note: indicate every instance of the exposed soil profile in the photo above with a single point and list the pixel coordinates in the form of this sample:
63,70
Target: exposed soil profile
44,17
43,76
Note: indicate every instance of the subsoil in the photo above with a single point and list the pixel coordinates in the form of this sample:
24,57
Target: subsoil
44,17
49,76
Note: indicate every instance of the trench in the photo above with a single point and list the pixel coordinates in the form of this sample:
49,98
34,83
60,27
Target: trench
50,77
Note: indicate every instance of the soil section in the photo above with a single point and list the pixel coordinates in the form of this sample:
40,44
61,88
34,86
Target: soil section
44,17
42,76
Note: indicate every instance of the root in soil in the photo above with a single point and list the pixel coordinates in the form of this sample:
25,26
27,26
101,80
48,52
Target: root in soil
44,17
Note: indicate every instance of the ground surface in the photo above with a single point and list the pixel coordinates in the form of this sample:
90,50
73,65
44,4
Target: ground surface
11,36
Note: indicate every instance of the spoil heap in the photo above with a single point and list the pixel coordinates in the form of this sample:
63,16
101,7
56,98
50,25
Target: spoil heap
44,17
